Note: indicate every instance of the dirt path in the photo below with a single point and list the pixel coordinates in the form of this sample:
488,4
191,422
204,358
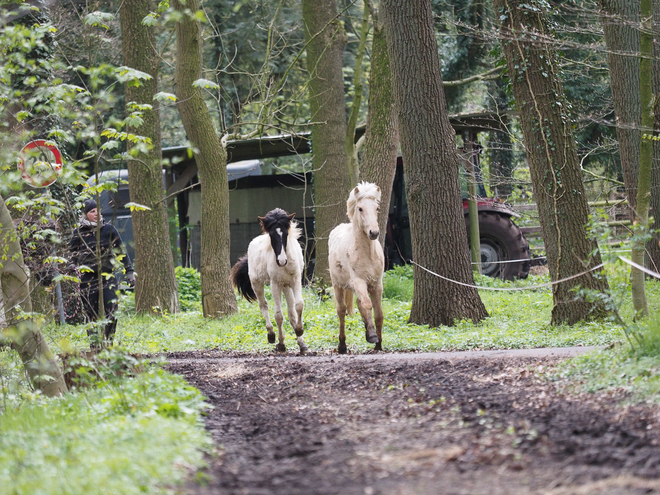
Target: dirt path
446,423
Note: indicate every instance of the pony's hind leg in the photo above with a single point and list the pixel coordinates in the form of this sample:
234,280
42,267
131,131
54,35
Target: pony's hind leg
376,295
294,305
263,306
276,290
341,313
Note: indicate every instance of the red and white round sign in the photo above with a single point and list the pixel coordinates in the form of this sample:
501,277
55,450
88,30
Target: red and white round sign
40,163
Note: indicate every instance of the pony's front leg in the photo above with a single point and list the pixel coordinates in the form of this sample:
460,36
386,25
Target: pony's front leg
294,304
263,306
364,305
376,295
276,290
341,313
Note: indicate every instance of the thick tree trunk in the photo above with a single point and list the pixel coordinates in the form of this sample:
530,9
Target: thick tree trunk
439,238
382,136
218,297
24,335
326,39
156,282
553,161
620,20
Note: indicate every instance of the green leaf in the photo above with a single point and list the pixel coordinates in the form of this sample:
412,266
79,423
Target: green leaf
162,96
98,19
131,76
205,83
137,207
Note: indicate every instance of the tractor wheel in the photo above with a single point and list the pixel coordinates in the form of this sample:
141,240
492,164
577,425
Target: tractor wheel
502,241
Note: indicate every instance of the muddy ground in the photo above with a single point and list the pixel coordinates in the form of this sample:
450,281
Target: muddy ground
411,424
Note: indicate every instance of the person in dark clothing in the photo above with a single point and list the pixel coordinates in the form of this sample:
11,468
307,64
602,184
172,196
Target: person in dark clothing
83,249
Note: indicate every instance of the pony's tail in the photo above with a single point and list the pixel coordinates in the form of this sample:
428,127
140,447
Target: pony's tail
240,279
348,301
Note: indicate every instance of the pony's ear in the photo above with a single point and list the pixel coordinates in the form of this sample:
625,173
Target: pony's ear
356,190
291,216
378,188
261,219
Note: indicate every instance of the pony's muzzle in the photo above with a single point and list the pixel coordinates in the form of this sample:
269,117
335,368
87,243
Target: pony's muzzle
373,234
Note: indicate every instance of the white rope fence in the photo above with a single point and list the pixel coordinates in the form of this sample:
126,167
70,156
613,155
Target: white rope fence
539,286
512,289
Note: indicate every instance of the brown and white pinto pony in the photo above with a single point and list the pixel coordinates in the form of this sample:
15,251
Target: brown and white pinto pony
275,258
356,263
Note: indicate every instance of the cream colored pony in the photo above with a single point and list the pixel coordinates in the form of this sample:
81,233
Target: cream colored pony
356,263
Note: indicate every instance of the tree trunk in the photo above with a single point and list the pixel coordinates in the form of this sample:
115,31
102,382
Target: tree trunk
378,163
430,160
156,282
326,39
620,20
645,155
351,149
24,335
553,161
218,297
653,245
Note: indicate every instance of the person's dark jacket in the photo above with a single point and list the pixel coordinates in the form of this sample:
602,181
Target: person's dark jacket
83,248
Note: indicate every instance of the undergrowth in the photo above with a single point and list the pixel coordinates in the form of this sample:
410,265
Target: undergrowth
135,433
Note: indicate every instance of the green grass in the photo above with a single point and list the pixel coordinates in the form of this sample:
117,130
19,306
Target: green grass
138,434
517,319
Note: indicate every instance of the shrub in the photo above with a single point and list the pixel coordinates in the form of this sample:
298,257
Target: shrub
190,288
398,283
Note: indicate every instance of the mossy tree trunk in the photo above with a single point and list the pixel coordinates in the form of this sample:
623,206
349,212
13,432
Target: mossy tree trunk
24,335
156,282
553,161
645,154
326,39
218,297
378,163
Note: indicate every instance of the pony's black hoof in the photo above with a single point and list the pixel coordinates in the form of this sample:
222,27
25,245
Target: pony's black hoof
372,337
342,349
378,347
271,338
280,348
303,350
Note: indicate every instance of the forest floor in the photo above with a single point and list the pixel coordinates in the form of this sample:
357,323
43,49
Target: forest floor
397,423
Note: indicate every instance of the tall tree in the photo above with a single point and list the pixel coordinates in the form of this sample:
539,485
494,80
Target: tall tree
439,238
21,333
218,297
378,164
620,20
553,161
645,154
326,39
156,282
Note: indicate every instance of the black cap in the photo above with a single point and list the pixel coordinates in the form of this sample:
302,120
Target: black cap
88,206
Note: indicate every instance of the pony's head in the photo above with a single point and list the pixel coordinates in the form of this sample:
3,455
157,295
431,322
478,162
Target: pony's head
362,208
277,224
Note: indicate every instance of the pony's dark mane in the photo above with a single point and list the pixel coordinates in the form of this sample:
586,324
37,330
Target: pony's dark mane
274,219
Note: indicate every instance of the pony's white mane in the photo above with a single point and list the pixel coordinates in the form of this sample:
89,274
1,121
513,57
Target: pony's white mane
294,231
364,190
